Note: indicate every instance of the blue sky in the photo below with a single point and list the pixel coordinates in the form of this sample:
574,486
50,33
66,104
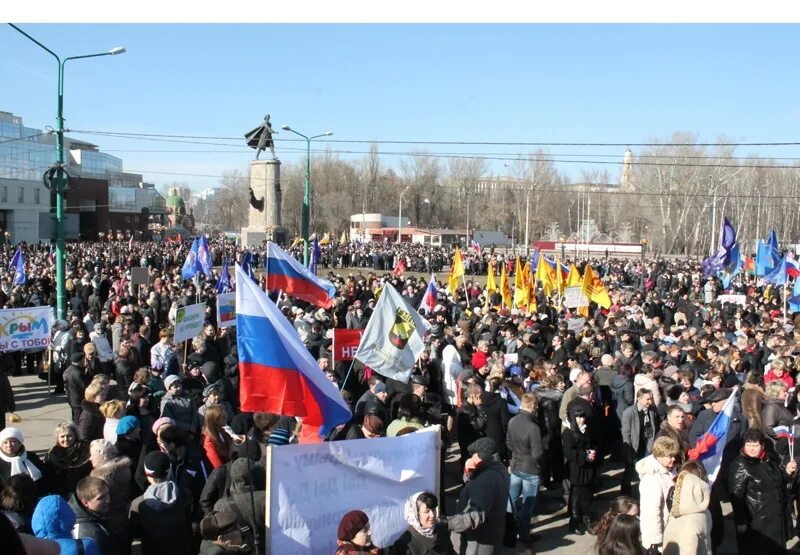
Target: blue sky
422,82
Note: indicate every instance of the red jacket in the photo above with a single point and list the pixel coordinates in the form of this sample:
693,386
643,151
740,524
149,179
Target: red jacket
786,378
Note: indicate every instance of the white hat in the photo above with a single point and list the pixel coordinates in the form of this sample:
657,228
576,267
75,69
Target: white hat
11,432
573,374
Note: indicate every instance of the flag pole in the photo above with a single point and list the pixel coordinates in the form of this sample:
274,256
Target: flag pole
785,293
348,374
266,268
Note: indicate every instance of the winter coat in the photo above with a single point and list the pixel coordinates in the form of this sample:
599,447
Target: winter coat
41,484
53,519
241,504
757,488
182,410
785,378
773,413
64,468
89,524
117,474
414,543
162,519
525,443
481,507
497,418
6,395
689,527
90,422
680,436
642,381
621,394
654,484
75,381
576,444
631,430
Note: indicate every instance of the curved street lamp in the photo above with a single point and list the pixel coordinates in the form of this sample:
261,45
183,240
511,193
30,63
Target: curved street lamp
59,181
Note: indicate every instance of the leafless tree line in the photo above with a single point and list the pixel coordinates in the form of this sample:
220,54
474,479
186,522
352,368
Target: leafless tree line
676,186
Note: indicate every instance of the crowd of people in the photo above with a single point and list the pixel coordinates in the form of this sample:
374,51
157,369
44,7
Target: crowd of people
157,452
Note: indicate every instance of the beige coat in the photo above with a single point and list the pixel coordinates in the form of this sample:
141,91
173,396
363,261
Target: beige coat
688,530
654,484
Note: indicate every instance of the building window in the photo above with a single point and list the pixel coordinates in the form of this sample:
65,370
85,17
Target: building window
4,194
37,198
21,195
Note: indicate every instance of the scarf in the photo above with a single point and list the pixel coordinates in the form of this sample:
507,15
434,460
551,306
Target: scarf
20,464
412,517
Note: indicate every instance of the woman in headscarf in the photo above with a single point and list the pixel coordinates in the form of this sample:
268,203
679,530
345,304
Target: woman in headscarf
354,536
15,459
424,535
67,461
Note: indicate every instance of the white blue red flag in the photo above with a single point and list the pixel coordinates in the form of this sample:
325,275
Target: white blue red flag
710,445
277,373
475,246
286,273
429,299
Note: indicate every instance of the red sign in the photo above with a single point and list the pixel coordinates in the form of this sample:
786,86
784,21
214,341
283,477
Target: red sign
345,343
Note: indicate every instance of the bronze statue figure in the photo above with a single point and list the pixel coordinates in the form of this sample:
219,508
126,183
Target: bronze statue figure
260,138
255,203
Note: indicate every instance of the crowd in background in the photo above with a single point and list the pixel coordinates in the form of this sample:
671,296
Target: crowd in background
157,452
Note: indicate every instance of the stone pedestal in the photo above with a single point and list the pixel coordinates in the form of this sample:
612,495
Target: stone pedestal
265,180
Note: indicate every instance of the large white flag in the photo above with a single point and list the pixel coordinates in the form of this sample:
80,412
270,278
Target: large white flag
392,341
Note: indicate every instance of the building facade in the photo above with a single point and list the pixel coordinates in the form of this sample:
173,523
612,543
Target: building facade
104,198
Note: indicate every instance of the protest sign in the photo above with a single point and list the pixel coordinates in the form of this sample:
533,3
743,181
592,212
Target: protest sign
735,299
311,486
575,324
574,297
345,343
140,276
189,321
226,310
25,328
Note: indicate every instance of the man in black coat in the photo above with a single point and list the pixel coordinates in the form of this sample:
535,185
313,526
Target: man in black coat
481,508
91,503
75,381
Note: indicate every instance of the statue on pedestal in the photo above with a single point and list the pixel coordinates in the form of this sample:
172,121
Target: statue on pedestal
260,138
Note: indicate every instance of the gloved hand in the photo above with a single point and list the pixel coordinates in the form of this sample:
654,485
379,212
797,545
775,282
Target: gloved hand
741,528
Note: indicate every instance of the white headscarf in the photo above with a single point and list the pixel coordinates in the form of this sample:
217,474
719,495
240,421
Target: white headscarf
412,516
19,464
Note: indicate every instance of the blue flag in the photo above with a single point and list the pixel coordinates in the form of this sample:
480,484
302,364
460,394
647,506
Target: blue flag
190,266
794,300
203,257
723,257
246,262
19,268
13,264
764,261
315,256
224,281
785,269
772,243
727,274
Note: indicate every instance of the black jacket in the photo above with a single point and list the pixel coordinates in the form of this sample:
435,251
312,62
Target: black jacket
758,492
75,382
90,422
414,543
497,417
6,395
89,524
481,507
524,440
576,445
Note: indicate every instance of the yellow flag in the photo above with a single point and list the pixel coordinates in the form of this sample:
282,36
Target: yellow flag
456,271
561,283
520,291
343,239
326,239
491,285
574,276
594,289
505,288
546,275
531,285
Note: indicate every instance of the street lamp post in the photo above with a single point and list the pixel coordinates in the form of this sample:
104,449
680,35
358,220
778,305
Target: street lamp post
59,181
641,277
400,214
430,233
561,239
306,213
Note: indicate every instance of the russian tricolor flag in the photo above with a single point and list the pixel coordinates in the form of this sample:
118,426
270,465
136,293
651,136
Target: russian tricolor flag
286,273
782,432
277,373
710,445
429,300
